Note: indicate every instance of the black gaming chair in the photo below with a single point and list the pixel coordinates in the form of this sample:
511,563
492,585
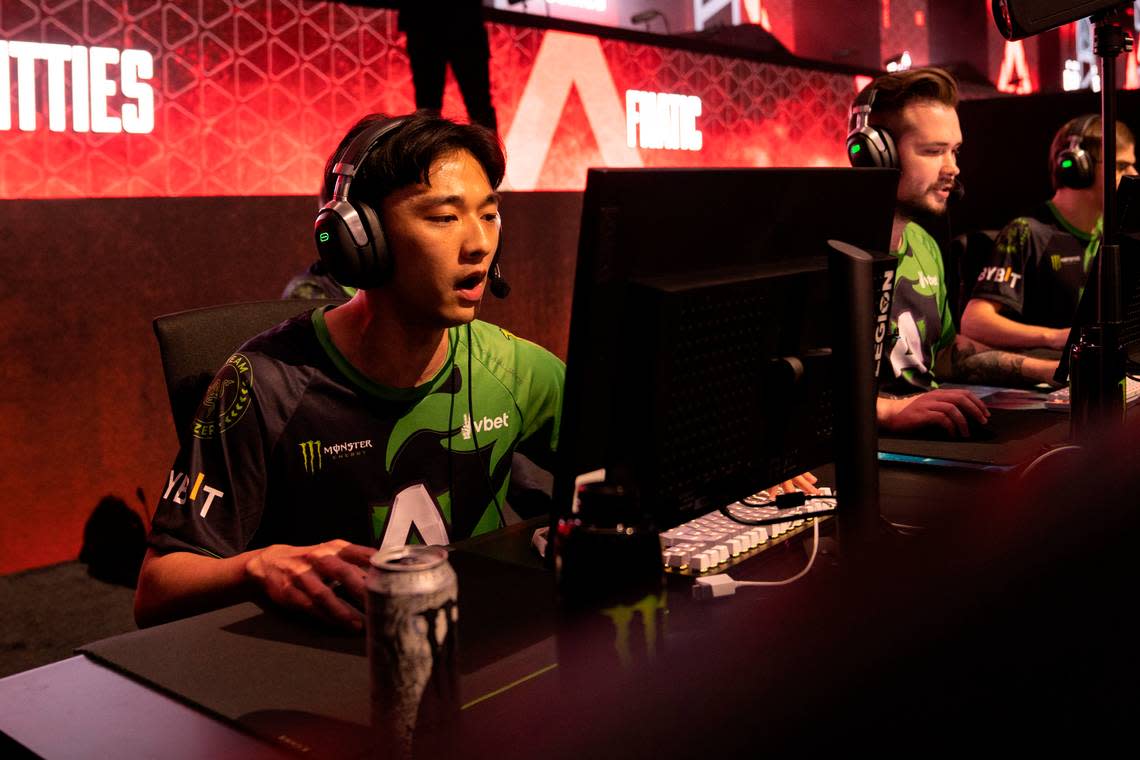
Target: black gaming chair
195,344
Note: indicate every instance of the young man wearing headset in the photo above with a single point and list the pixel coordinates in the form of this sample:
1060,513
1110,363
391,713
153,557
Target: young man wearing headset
908,120
388,419
1028,289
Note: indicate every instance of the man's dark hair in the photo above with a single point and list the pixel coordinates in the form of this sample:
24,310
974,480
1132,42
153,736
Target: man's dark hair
405,155
893,92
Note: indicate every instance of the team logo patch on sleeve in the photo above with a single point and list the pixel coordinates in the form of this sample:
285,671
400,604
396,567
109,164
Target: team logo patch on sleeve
227,398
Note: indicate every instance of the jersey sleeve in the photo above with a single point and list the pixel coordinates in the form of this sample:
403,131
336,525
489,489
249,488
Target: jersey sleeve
948,333
1002,276
213,497
542,381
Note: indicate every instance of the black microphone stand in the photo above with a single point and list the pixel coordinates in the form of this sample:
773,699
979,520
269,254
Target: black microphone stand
1097,363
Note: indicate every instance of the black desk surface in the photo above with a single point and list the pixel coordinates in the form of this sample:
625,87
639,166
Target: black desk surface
788,649
304,687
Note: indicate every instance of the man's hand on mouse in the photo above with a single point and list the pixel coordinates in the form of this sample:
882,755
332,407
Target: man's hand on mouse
950,409
307,578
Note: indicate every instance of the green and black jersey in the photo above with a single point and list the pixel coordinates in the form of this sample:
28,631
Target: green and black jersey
921,325
293,445
1037,269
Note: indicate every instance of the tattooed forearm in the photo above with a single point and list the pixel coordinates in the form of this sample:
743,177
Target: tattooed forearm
985,367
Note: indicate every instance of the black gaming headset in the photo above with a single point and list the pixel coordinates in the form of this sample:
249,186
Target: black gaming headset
1073,166
350,239
869,146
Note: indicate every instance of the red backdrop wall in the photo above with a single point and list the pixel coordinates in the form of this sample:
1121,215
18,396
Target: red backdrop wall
251,97
99,233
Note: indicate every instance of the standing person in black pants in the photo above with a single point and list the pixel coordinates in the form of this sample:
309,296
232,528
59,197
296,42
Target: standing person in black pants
449,31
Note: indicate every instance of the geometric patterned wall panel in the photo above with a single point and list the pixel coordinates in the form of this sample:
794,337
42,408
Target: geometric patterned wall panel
251,95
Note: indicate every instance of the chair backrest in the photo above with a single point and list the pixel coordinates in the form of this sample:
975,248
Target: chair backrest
195,344
967,254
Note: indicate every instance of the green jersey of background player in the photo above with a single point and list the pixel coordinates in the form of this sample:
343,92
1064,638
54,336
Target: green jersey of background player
917,108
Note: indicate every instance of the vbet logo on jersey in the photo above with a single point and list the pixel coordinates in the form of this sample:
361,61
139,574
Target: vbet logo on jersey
484,424
928,280
313,453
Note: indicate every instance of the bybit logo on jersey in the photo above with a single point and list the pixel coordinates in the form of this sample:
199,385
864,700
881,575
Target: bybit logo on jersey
313,453
179,484
999,274
88,75
662,120
483,425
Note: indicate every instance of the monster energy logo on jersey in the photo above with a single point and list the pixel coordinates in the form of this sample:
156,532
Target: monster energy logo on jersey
313,453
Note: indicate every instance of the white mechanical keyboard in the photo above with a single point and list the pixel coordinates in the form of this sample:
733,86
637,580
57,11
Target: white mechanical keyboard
715,542
1060,401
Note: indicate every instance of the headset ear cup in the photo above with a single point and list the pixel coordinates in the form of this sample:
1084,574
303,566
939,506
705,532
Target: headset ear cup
358,266
890,151
872,147
1078,174
1074,167
500,288
1085,174
376,266
336,247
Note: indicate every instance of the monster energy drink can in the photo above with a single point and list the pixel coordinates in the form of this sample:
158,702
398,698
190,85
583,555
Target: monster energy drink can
412,639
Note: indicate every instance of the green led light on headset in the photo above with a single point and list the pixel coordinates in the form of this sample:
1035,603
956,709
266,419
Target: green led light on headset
324,237
856,148
1066,163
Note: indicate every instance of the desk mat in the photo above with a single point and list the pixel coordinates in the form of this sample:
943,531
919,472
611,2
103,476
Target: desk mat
306,686
1014,437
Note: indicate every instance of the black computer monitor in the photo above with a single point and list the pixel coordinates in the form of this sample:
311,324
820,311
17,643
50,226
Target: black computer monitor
699,366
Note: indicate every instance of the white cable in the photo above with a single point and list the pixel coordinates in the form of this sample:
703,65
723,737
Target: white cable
721,584
1070,449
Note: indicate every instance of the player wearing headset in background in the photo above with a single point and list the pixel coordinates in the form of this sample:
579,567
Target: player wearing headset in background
909,121
1028,289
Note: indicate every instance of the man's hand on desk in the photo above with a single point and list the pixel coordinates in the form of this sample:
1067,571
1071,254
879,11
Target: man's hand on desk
805,483
950,409
304,578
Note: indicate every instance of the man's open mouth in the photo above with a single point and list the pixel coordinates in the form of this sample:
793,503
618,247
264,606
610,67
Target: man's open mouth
471,282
